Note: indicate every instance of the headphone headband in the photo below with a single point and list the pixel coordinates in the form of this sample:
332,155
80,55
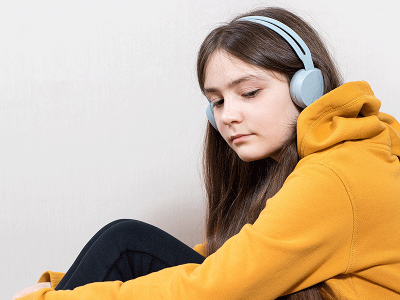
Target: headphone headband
288,34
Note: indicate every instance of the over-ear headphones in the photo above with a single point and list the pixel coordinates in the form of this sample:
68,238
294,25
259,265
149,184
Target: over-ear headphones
307,85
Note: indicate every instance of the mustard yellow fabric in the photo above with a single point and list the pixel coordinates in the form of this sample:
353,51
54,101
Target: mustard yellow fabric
200,249
53,277
336,219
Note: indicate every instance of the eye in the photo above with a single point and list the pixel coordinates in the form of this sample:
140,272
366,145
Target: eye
251,94
217,103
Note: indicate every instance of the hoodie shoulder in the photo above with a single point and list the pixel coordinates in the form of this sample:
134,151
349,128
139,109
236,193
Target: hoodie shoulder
348,113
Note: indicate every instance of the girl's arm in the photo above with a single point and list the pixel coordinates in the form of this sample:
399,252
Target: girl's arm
51,279
200,248
302,237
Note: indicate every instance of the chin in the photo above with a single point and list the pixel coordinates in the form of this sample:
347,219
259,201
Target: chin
249,152
249,158
252,153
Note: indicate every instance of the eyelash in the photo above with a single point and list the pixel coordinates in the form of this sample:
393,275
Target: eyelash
217,103
251,94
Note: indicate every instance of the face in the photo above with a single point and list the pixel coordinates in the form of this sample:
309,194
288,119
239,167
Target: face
252,106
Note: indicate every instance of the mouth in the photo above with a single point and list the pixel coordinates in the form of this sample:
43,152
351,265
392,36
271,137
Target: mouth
239,138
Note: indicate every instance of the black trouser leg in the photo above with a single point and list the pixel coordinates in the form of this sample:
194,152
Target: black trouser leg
77,261
124,250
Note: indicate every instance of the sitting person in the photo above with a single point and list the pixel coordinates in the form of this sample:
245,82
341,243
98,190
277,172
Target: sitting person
302,179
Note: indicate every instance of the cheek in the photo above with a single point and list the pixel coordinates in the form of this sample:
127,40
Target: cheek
223,130
264,121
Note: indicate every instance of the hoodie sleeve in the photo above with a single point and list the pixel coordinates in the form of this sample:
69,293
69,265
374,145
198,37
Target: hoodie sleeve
302,237
53,277
200,248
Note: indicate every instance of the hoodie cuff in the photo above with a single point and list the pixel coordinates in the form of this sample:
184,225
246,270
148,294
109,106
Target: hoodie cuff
53,277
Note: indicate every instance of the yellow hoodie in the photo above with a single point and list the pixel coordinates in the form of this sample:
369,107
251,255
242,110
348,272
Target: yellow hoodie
336,219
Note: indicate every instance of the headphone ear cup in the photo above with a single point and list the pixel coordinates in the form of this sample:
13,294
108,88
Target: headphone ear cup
306,86
210,116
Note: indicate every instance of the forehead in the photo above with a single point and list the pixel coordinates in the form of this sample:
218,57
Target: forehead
223,69
224,66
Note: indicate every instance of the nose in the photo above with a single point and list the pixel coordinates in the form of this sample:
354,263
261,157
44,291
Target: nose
231,112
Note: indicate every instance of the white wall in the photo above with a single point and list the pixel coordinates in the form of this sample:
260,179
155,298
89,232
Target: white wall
101,117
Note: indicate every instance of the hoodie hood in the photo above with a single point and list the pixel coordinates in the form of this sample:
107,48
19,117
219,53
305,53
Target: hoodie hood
349,112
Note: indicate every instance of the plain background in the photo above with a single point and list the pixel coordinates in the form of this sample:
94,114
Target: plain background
101,117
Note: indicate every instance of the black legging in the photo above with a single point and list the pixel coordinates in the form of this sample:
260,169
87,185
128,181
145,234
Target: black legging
124,250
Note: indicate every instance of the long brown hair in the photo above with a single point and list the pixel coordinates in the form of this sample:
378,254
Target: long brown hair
238,191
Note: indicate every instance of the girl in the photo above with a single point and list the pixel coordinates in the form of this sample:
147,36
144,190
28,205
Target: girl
303,203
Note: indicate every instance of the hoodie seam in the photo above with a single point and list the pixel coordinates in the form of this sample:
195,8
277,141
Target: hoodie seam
354,211
318,120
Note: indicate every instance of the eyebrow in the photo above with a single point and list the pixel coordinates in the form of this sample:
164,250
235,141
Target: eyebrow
233,83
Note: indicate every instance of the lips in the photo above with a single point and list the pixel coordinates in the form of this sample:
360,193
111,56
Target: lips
238,138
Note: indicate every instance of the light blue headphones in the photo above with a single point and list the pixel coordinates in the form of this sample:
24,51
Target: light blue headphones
307,85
